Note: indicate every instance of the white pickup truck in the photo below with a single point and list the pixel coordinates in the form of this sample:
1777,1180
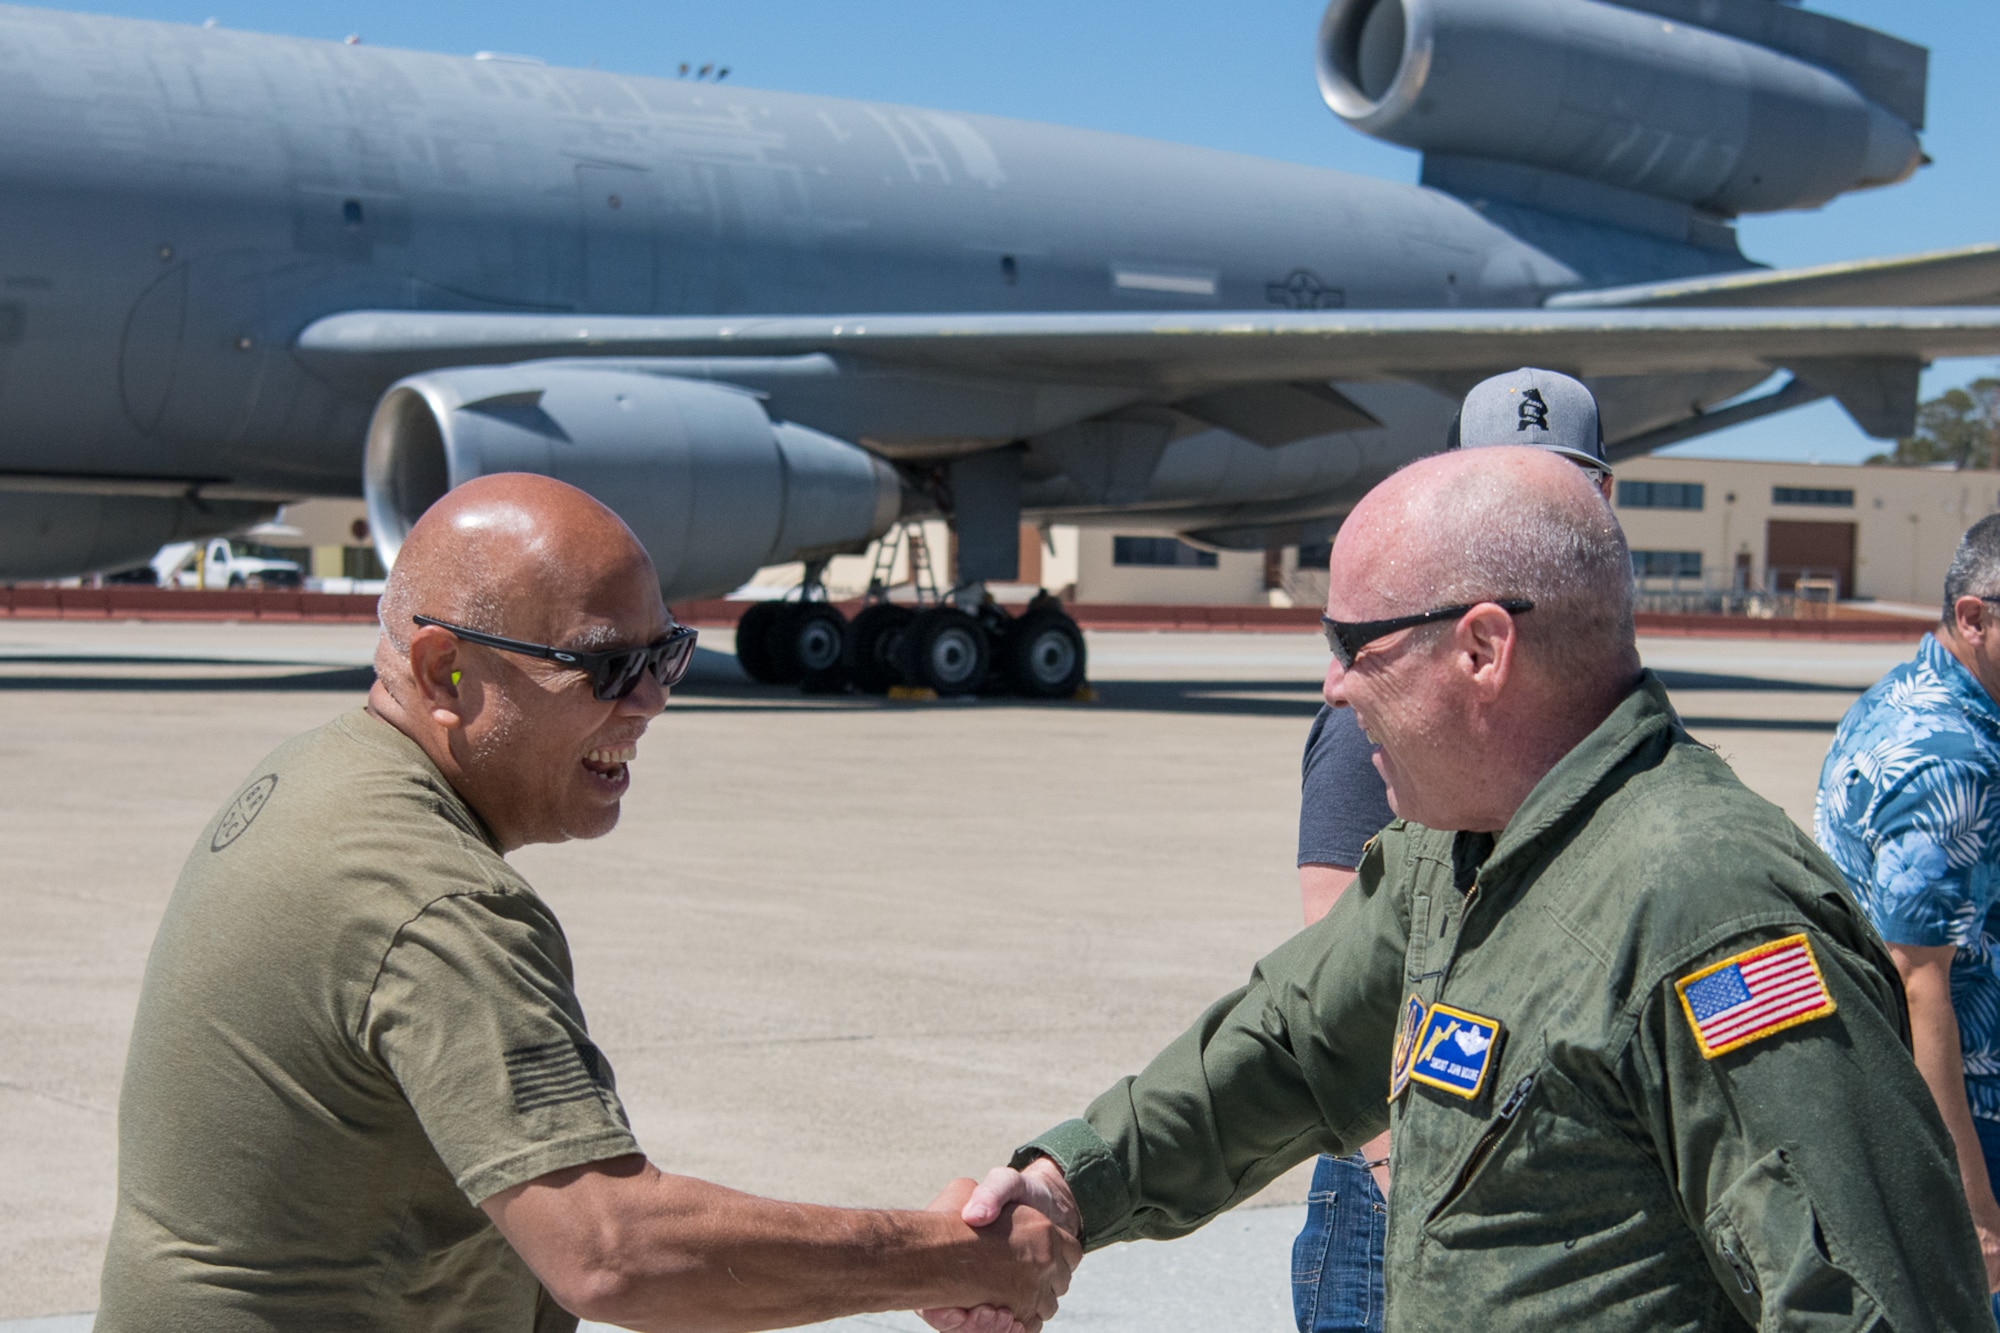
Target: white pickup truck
222,563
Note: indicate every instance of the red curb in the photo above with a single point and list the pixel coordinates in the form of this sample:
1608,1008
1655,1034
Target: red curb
1848,629
184,604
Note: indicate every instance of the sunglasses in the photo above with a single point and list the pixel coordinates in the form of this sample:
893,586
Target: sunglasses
1347,638
614,673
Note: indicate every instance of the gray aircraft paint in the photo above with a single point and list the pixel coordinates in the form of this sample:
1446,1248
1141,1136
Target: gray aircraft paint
178,193
181,203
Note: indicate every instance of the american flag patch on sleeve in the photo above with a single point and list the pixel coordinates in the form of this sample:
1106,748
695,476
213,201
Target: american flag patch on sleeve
1758,992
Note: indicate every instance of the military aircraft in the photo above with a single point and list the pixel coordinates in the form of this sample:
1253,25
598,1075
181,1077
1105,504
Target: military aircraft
239,269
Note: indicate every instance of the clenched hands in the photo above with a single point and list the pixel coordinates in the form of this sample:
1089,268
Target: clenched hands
1010,1201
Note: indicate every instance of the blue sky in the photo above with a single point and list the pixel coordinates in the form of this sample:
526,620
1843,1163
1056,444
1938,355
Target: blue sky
1233,76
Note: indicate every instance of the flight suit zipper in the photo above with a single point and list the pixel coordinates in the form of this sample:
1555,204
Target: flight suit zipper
1487,1141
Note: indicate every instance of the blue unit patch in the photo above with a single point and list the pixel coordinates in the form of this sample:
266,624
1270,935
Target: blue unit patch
1454,1050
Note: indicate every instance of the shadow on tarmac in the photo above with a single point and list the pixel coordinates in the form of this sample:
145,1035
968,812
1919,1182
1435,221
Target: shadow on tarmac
716,684
1759,724
1684,681
289,680
1216,697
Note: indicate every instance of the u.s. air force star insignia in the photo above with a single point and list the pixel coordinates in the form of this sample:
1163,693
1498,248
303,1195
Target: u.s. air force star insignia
1758,992
242,810
1406,1042
1453,1050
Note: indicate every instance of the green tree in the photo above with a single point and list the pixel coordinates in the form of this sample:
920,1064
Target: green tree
1959,426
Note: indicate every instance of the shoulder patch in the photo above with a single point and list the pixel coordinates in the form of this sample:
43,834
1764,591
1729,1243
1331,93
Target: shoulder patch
1406,1045
242,810
1758,992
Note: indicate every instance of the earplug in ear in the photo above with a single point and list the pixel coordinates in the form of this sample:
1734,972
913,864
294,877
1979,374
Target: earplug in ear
455,675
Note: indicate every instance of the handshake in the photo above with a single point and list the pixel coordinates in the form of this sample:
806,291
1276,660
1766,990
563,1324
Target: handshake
1028,1228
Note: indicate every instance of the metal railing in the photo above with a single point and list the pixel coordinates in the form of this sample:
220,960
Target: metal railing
1721,592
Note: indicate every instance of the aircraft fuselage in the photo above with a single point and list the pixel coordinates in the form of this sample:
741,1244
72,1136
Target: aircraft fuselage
177,203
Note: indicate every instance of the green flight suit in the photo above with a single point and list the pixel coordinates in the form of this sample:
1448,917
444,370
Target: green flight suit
1607,1175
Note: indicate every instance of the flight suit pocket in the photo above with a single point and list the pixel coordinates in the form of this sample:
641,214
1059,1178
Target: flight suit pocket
1489,1140
1547,1150
1770,1250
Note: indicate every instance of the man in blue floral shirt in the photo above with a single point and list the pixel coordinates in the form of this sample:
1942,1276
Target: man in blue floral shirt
1909,807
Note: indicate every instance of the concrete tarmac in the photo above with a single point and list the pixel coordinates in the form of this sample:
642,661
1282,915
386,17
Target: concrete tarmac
838,950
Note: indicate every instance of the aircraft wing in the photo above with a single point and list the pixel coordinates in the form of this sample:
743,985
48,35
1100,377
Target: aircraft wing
1968,276
1181,352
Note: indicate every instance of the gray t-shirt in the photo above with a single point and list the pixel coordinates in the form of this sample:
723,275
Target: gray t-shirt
357,1022
1342,800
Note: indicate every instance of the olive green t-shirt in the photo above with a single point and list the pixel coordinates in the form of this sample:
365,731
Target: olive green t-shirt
357,1022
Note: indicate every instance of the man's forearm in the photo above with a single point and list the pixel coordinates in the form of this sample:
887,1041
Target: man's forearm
729,1262
1935,1041
651,1251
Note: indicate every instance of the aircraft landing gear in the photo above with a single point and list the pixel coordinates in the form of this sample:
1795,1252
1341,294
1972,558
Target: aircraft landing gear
945,650
1041,653
950,644
798,642
874,637
807,644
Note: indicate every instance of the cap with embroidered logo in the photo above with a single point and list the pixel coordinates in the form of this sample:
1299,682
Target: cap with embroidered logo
1543,408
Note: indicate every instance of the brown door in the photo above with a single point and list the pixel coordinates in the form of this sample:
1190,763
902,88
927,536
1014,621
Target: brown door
1795,549
1030,571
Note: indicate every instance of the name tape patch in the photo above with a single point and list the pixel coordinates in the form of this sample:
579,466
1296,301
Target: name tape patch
1406,1044
1453,1050
1758,992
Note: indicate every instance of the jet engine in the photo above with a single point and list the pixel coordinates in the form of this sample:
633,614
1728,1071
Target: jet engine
1632,96
710,484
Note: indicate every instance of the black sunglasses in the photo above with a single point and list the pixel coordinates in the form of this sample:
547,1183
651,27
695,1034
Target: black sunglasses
1347,638
614,673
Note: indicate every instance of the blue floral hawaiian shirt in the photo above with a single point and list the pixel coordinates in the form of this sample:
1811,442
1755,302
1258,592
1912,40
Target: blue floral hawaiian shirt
1909,808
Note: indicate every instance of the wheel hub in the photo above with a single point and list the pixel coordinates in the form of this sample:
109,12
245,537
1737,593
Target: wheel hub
954,656
1052,656
819,646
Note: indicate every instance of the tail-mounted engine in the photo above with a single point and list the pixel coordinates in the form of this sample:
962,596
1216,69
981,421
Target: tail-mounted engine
1726,106
707,481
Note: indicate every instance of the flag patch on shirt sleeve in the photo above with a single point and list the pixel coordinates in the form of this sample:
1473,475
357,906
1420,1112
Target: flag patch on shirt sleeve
554,1072
1758,992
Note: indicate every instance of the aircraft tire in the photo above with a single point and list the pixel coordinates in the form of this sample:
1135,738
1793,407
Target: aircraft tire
1043,656
807,642
872,639
753,641
945,650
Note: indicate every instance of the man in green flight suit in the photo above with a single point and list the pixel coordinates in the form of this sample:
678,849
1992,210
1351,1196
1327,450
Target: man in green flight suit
1644,1063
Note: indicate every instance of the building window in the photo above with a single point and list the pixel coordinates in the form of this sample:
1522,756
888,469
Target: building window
1666,564
1169,552
1316,555
1659,495
1812,495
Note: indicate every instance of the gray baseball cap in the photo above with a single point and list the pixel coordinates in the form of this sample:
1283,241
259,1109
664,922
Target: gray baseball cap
1529,406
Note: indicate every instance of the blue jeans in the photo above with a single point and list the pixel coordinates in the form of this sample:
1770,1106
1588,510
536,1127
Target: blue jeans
1989,1145
1337,1259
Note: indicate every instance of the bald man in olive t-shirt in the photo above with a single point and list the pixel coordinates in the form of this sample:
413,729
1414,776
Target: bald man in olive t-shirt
406,1035
360,1093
